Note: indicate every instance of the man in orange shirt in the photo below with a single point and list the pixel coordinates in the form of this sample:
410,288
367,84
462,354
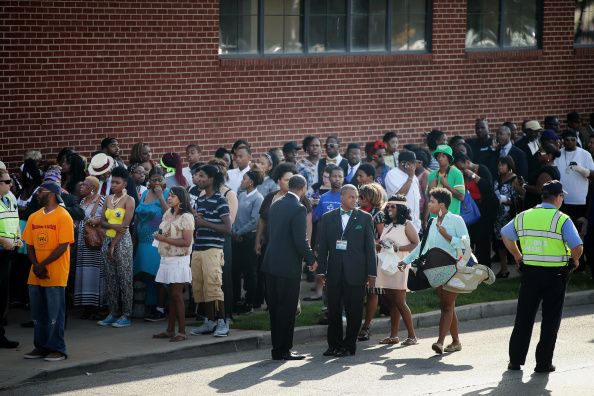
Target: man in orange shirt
48,234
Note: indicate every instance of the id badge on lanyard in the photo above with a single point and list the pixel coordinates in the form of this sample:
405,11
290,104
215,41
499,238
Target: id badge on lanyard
341,244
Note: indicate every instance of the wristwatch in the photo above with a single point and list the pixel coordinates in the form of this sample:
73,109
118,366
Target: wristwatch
473,176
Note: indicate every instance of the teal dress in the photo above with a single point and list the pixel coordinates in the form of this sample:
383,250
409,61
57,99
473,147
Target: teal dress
148,216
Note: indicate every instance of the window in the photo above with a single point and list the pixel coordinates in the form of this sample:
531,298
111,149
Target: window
507,24
584,23
277,27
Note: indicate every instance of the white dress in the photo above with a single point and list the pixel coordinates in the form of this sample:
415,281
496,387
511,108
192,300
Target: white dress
398,280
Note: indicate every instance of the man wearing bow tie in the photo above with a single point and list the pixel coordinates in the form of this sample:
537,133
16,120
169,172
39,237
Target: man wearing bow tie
346,258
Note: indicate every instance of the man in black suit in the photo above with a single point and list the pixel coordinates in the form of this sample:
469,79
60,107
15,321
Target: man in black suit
530,143
287,248
346,254
504,148
332,147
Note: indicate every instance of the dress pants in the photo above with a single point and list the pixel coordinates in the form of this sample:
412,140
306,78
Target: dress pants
481,234
538,284
5,261
245,262
282,295
352,298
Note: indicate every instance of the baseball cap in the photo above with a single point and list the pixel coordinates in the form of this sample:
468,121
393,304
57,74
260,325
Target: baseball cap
553,187
53,188
291,146
549,134
533,125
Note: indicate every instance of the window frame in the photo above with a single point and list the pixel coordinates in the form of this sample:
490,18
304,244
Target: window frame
501,31
304,35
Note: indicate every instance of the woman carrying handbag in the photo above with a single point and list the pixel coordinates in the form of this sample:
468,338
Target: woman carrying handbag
444,236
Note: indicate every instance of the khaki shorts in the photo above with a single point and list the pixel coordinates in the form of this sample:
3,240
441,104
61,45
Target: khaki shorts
207,275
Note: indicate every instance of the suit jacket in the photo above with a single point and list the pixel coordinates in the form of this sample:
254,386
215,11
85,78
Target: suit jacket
519,157
287,239
354,265
531,159
322,163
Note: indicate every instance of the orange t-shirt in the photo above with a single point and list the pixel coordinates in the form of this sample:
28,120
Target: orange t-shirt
45,232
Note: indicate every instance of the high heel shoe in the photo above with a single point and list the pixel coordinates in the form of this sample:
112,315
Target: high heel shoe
502,275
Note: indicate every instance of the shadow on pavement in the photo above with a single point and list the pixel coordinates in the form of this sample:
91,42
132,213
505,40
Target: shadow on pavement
511,383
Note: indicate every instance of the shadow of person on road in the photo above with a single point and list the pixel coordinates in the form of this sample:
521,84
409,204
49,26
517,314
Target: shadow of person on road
399,368
511,383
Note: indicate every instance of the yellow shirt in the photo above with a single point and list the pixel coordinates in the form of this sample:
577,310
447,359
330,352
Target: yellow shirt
45,232
114,216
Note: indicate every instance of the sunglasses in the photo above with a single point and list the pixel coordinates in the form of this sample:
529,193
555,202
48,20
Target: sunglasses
570,139
332,145
9,181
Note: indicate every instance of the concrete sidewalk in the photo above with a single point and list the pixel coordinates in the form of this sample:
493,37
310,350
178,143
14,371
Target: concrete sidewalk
93,348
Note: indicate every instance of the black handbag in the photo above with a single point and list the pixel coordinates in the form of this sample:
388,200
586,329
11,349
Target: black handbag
417,280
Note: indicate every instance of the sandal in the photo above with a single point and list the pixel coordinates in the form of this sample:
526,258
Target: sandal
410,341
163,335
390,340
363,334
179,337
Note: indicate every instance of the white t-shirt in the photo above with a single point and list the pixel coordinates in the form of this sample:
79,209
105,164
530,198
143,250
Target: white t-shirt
188,175
235,177
395,179
574,184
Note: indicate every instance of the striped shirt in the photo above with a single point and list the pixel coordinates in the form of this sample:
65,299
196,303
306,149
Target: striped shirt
213,209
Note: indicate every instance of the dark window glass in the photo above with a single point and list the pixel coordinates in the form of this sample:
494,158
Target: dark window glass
584,23
238,31
269,27
327,26
503,24
368,20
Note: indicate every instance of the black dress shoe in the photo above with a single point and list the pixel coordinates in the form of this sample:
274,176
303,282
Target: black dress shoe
344,352
514,367
330,352
544,369
292,356
7,344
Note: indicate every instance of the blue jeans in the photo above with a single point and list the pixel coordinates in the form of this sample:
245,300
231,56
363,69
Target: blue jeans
48,312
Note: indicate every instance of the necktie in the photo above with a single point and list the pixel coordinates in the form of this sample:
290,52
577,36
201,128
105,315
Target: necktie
104,188
346,212
351,174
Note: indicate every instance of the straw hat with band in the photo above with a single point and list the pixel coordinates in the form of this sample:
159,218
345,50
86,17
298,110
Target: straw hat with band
100,164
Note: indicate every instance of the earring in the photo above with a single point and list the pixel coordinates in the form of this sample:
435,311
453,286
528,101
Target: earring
440,213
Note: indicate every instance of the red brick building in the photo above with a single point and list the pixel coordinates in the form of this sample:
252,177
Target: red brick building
74,72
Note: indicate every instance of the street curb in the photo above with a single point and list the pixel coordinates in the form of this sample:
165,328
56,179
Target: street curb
302,335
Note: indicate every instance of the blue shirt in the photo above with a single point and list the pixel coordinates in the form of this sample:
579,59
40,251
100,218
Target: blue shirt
568,231
328,201
455,227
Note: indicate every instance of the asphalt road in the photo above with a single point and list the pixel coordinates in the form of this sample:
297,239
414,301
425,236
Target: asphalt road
479,369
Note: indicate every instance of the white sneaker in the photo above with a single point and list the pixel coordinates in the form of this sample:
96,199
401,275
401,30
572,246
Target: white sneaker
206,328
222,329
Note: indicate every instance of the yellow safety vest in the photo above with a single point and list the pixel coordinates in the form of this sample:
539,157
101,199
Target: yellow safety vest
539,231
9,218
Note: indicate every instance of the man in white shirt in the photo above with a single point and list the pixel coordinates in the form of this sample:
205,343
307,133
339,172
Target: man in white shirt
241,159
577,169
193,152
402,180
353,156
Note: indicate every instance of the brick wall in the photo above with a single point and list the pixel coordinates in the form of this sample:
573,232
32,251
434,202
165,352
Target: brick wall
76,71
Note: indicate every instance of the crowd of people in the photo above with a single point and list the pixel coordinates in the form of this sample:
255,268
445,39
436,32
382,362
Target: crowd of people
127,235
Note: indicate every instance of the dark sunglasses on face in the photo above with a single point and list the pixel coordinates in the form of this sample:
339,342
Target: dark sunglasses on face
332,145
570,139
9,181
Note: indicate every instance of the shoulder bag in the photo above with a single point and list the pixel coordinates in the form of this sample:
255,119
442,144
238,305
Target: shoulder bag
417,279
93,235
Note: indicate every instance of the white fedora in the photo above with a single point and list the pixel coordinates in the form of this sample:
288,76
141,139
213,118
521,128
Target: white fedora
100,164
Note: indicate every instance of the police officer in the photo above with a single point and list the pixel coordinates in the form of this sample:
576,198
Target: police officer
9,240
551,248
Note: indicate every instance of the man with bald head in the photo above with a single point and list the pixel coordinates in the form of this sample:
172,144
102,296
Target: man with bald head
346,258
506,148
